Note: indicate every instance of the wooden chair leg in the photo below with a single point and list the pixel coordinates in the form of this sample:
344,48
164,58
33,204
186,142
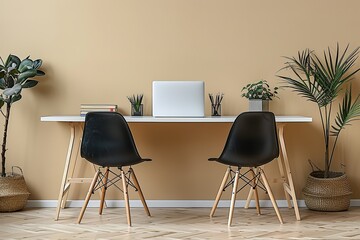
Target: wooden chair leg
126,197
221,190
255,192
103,191
141,195
268,189
92,185
248,199
233,197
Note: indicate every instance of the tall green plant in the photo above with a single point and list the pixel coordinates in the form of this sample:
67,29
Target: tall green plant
321,81
14,76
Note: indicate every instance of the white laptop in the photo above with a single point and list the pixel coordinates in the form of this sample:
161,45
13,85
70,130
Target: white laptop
178,99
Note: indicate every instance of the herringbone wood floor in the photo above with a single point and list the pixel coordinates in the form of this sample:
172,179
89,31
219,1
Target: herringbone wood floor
179,223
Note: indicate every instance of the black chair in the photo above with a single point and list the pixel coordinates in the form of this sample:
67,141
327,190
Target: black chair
108,142
252,142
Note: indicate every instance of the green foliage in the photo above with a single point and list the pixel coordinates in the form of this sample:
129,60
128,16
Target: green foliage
136,101
14,77
321,81
15,74
259,90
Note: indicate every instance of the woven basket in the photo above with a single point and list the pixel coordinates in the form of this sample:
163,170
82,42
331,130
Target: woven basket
13,193
327,194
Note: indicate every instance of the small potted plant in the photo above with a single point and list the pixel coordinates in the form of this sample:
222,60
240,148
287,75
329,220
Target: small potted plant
320,81
259,94
14,77
136,104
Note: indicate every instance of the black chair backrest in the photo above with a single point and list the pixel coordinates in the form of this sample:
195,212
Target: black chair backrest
107,140
252,140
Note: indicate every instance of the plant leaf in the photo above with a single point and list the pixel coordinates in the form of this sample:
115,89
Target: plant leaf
25,65
12,59
9,83
2,83
16,98
37,63
29,84
348,111
27,74
12,91
40,73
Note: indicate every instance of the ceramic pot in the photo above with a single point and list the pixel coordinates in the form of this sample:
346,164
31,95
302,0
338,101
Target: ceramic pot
258,105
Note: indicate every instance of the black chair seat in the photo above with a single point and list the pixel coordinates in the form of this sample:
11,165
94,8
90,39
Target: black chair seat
116,161
230,162
108,142
252,141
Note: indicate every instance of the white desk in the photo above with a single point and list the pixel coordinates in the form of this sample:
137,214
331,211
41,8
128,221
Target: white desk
151,119
284,167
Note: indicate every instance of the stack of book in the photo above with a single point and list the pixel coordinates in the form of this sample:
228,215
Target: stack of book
85,108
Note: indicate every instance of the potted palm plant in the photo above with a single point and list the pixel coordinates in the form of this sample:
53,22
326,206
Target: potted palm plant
259,95
321,81
15,75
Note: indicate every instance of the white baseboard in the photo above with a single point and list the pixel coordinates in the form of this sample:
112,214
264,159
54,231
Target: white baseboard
167,203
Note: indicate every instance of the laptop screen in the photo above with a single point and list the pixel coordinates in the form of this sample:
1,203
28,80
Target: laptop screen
178,99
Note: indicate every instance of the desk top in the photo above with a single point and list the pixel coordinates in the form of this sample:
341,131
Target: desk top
151,119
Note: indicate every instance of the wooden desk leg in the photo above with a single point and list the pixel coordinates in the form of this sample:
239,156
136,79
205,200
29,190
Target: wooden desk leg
66,169
67,188
69,176
289,186
283,178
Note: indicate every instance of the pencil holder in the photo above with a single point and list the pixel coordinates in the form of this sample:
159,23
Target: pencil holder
216,103
215,109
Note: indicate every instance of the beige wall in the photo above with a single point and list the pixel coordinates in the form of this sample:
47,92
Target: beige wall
102,51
